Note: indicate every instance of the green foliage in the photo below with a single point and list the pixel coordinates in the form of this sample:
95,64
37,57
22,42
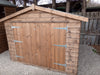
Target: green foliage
94,50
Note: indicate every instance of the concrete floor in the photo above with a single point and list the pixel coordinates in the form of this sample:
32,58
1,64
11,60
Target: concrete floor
89,64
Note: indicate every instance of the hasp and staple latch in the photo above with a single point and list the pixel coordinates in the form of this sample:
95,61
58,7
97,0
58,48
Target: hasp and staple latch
61,45
15,27
64,28
19,56
64,65
17,41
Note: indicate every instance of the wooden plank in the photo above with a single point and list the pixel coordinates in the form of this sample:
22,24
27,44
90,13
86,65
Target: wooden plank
49,45
27,43
74,25
43,45
56,48
38,53
62,41
52,46
33,39
73,35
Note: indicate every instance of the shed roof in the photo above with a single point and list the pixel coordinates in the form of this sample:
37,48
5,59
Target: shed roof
48,10
6,3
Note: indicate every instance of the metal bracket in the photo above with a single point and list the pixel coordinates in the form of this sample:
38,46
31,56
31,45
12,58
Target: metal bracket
17,41
65,28
15,27
61,45
19,56
61,64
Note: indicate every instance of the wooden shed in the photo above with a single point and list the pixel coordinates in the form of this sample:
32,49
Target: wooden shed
6,8
44,37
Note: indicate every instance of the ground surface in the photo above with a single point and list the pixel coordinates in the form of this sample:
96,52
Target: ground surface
89,64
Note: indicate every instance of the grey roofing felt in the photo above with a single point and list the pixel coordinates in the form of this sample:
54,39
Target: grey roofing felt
5,3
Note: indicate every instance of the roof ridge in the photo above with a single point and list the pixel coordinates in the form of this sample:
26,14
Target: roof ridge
33,7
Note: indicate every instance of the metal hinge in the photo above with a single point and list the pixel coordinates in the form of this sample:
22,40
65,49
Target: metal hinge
65,28
61,64
61,46
15,27
17,41
19,56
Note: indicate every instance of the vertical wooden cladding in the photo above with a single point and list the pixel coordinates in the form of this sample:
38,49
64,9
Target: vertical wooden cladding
37,47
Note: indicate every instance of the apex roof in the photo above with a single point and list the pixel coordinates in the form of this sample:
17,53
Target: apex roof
48,10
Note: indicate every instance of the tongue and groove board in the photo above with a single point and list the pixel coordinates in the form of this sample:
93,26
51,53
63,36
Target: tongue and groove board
37,46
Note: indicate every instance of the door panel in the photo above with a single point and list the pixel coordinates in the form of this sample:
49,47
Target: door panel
38,44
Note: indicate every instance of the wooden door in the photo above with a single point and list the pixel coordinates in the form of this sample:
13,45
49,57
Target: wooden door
41,44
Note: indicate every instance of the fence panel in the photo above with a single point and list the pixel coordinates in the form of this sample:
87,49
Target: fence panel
90,32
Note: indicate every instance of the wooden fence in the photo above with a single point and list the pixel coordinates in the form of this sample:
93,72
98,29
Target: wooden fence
90,32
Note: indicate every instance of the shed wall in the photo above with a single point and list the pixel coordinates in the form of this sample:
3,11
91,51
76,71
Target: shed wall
72,35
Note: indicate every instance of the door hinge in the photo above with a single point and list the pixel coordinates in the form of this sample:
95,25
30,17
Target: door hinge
65,28
61,64
17,41
15,27
61,45
18,56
